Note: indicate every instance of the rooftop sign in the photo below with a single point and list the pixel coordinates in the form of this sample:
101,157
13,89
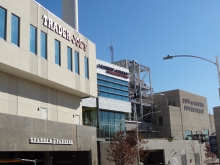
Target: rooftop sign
113,71
49,23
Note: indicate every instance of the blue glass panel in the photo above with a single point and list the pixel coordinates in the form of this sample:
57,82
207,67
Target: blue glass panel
124,88
57,52
33,39
118,86
118,91
125,98
14,30
111,96
43,44
86,64
103,88
104,94
118,97
124,82
111,79
125,93
118,81
98,76
103,82
2,23
111,84
69,59
103,77
111,90
76,55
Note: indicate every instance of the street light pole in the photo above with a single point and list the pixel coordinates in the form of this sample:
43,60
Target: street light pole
138,154
215,63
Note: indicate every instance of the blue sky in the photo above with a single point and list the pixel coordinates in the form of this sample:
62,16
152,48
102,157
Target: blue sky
148,30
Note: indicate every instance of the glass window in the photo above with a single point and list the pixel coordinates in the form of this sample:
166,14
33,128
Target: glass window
111,96
2,23
14,29
103,88
118,86
111,79
103,82
124,88
76,55
110,84
69,59
103,77
160,121
111,90
57,52
118,97
125,98
118,81
188,135
43,44
118,91
124,82
86,64
103,94
33,39
125,93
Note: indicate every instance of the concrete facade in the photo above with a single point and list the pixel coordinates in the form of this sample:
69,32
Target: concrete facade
29,82
16,132
174,149
216,111
40,98
186,111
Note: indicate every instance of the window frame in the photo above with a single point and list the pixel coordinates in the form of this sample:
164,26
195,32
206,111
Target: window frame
69,61
86,67
59,53
18,30
77,63
5,23
35,39
42,32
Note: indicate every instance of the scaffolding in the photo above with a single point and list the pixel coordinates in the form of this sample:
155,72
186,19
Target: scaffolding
140,90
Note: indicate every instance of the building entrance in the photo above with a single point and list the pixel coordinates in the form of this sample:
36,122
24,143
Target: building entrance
155,157
42,158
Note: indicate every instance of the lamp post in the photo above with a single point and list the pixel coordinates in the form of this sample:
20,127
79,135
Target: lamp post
215,63
138,154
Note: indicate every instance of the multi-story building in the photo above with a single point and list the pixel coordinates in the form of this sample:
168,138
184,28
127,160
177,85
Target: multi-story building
113,101
46,68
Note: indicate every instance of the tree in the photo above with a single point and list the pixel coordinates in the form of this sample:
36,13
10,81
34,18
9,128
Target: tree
89,116
123,148
208,152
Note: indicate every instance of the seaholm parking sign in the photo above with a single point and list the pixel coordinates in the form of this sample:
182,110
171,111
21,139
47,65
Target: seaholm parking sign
213,143
53,141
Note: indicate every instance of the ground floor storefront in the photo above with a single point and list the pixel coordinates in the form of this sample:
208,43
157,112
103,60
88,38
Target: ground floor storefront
41,142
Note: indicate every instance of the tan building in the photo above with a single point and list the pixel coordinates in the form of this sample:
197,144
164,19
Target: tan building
46,68
185,115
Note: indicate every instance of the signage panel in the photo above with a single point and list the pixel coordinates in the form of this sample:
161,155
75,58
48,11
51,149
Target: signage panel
213,143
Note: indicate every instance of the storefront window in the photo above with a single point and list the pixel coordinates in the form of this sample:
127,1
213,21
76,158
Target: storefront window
110,122
188,135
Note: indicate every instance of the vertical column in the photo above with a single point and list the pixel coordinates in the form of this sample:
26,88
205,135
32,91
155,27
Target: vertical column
70,13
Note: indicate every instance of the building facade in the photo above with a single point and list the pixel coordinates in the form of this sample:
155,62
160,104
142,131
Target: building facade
185,116
113,102
46,68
